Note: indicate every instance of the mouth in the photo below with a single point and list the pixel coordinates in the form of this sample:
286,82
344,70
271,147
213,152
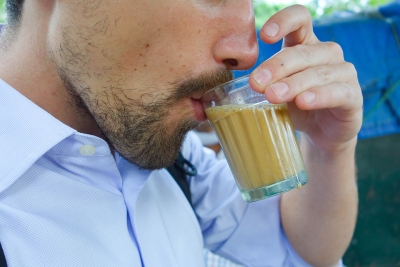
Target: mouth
198,109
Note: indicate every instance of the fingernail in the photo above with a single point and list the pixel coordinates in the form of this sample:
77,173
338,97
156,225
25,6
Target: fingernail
308,97
262,77
271,29
280,89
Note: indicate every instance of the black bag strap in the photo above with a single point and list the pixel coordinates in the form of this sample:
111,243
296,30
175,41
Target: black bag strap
179,170
3,262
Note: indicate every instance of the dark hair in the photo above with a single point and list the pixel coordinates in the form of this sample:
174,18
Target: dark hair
14,10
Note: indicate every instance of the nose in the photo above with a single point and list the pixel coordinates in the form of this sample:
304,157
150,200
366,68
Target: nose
237,47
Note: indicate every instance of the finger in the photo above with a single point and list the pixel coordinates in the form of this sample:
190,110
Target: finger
345,96
293,23
293,60
334,103
289,88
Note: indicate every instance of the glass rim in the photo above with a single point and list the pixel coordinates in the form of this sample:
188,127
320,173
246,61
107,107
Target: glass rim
236,80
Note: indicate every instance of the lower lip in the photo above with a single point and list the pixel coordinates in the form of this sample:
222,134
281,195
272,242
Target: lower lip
198,110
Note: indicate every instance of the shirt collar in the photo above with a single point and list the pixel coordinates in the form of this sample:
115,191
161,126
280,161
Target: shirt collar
26,133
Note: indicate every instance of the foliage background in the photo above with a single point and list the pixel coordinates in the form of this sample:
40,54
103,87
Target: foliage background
2,11
263,9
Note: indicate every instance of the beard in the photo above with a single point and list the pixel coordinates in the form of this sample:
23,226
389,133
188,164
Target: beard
141,129
145,135
142,133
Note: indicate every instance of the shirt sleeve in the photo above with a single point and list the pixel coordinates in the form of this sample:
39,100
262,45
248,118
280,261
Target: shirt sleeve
247,233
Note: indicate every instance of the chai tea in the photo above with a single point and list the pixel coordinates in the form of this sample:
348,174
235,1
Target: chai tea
259,143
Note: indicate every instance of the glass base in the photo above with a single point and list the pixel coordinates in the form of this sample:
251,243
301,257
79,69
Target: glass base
275,189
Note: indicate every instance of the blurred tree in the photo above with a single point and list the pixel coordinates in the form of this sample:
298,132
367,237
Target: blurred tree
263,10
2,11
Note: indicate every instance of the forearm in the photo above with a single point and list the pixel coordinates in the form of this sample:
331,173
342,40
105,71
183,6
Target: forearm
319,219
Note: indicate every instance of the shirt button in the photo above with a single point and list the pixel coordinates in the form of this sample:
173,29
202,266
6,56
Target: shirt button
87,150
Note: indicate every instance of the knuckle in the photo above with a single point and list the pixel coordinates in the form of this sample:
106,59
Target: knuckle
303,10
305,52
324,74
348,91
351,68
335,48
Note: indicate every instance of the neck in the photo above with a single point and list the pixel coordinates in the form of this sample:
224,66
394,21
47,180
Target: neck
25,65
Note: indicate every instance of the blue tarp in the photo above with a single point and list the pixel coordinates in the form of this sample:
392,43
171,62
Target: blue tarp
370,40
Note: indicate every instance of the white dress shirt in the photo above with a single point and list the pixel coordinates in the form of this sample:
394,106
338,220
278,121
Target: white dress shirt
66,201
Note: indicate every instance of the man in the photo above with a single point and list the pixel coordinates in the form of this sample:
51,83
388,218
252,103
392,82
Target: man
97,98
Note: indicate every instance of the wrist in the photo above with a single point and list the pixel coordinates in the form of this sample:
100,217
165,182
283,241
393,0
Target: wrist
328,149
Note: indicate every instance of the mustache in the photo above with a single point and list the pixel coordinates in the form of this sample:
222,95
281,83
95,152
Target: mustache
201,84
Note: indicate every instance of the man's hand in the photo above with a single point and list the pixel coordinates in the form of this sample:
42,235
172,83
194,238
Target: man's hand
325,103
322,89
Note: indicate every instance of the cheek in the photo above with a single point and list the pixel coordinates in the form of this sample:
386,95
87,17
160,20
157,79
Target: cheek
176,61
175,47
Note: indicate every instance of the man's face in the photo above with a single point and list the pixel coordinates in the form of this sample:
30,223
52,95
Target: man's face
140,66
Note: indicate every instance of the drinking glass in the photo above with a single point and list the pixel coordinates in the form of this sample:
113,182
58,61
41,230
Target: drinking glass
257,138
